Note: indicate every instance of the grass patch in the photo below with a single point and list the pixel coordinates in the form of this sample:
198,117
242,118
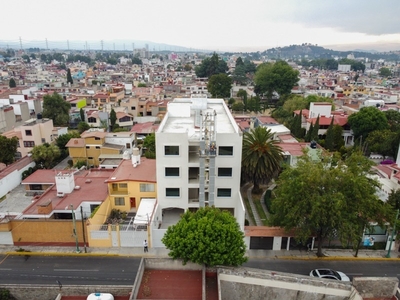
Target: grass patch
249,211
261,211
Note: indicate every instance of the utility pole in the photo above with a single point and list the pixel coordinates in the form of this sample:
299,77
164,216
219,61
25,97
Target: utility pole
392,235
83,229
74,230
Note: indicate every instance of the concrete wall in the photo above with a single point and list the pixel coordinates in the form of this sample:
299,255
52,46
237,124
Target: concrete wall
42,232
12,180
50,292
370,287
247,283
170,264
138,280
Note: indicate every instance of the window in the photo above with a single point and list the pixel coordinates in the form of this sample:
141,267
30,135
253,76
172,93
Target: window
119,201
87,147
133,107
171,150
147,187
125,119
114,186
97,147
43,140
123,185
172,172
92,120
97,138
28,132
172,192
223,192
225,172
225,150
28,144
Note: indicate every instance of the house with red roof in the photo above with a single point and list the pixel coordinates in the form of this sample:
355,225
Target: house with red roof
323,111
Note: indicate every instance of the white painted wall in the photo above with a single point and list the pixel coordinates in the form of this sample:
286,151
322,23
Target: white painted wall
12,180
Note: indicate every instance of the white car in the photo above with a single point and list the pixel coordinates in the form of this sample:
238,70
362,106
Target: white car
329,274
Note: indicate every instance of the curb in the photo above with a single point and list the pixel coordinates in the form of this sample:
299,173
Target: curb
339,258
80,254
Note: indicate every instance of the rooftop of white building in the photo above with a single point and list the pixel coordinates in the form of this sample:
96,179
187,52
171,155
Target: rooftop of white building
181,116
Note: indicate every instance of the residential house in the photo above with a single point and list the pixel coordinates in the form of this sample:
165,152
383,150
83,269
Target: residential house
33,132
94,145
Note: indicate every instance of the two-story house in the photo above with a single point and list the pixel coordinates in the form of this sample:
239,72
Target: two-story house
33,132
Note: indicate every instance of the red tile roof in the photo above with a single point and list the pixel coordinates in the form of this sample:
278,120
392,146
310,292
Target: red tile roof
338,120
147,127
92,188
144,172
18,165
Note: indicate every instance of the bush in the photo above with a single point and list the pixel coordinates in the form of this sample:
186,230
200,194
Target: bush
70,163
268,201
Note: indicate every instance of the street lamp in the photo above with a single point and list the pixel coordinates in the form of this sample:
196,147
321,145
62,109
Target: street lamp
392,235
74,230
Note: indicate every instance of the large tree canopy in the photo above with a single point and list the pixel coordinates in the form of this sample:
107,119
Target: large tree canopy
63,139
46,155
57,109
261,156
367,120
219,86
328,198
278,77
211,66
208,236
8,148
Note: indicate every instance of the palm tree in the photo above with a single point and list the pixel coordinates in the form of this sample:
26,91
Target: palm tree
261,157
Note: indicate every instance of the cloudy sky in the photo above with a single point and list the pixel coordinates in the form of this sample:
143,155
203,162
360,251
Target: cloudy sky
221,25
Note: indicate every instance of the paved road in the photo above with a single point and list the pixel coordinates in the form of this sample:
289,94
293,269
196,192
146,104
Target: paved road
350,268
123,270
68,270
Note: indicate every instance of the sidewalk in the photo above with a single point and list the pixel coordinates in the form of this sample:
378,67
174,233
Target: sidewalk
330,254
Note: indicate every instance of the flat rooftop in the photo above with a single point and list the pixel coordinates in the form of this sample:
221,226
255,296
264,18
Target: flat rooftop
181,116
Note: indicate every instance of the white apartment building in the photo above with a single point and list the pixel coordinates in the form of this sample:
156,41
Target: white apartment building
199,151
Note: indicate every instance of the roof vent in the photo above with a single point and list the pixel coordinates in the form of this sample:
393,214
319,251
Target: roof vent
60,194
78,187
88,181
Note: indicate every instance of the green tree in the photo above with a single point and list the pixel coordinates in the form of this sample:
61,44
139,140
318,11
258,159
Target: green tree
278,77
261,157
385,72
219,86
83,126
142,84
394,199
367,120
208,236
63,140
329,137
325,197
46,155
56,108
384,142
12,83
295,102
26,58
211,66
113,119
69,77
314,134
238,106
82,114
338,141
393,118
308,137
8,149
149,143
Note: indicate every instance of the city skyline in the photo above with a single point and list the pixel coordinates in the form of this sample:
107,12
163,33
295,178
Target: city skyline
218,26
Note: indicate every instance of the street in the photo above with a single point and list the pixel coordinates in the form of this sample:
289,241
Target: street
122,270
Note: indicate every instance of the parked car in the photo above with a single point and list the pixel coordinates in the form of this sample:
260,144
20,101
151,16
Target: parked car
329,274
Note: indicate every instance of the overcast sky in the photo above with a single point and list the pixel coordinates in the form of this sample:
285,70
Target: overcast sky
224,25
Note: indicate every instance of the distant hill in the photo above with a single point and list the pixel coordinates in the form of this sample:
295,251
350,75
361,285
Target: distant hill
310,51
